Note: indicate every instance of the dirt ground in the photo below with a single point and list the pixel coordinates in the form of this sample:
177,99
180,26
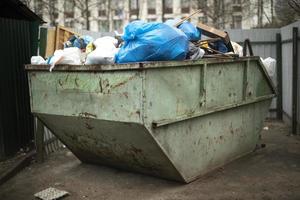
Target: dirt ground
272,172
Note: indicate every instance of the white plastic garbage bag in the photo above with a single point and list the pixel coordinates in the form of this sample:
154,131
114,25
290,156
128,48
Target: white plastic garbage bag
105,51
67,56
238,49
37,60
195,53
270,65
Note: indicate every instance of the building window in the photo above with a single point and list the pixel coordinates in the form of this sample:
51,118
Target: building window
203,19
168,7
119,12
118,25
151,7
202,4
236,21
185,6
101,8
69,23
69,8
103,25
237,2
102,13
134,4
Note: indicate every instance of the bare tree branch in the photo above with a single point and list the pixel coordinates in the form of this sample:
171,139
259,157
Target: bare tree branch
295,5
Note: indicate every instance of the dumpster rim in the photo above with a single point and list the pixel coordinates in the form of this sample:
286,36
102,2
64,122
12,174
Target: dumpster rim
138,65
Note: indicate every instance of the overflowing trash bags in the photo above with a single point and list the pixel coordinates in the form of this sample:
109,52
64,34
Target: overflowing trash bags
175,39
152,41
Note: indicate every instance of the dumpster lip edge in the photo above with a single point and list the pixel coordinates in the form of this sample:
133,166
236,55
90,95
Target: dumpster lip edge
136,66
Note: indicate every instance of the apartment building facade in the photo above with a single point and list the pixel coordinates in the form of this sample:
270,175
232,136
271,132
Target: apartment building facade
109,15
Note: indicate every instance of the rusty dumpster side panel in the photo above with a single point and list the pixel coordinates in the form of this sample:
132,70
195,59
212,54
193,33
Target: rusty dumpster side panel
123,145
212,113
109,96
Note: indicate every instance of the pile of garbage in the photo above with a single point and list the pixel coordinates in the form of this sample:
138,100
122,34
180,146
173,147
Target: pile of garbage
142,41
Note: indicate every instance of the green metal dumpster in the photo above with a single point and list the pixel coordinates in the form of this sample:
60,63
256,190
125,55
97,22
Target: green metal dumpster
176,120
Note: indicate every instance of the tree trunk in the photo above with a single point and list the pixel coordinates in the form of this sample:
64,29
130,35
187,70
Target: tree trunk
52,13
137,9
163,10
272,11
215,15
110,16
260,13
87,14
126,14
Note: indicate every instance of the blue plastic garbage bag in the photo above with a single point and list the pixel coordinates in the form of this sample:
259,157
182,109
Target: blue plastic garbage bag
192,32
220,46
152,42
83,41
79,42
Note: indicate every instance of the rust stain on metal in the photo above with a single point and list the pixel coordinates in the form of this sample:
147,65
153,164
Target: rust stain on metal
60,82
125,94
104,86
88,126
123,82
76,82
87,115
67,77
106,82
136,150
100,85
135,113
119,84
138,112
231,131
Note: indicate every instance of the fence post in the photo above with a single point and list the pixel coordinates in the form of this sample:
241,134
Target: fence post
279,75
39,140
295,82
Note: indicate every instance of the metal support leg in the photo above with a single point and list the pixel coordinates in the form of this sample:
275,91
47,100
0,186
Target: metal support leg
295,82
39,140
279,75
